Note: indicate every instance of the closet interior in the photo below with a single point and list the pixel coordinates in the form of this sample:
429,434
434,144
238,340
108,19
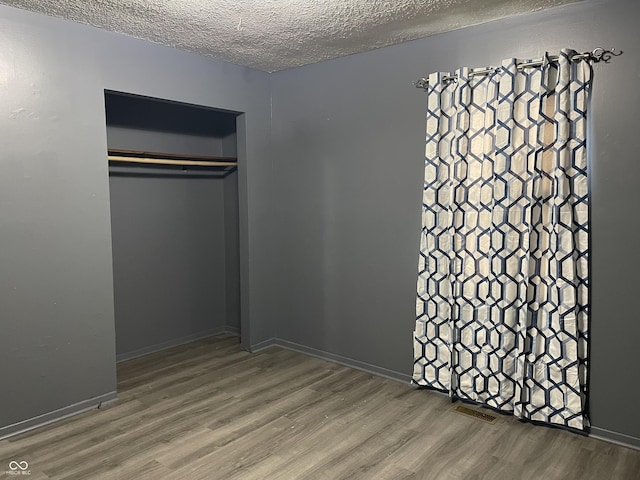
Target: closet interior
174,222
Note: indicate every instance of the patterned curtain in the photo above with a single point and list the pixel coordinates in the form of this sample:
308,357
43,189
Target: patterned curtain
502,307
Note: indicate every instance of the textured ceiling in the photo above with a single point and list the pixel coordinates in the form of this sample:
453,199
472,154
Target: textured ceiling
274,35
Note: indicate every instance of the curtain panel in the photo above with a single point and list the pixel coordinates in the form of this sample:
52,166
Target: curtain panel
502,304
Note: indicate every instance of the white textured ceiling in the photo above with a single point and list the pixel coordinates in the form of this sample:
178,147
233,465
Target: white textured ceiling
274,35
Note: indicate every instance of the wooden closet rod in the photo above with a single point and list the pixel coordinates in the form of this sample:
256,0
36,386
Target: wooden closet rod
157,158
167,161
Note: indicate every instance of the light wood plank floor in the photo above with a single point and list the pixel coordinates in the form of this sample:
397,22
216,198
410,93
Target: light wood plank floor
210,411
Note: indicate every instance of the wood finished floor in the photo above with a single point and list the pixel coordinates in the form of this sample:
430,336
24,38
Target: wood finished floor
210,411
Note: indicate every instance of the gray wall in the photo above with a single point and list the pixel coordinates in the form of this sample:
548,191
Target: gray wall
169,271
348,139
57,339
232,253
140,123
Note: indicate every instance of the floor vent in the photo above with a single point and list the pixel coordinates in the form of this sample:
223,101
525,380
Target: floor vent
478,415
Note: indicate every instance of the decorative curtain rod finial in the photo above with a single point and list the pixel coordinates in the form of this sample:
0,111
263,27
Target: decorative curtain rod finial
422,83
603,55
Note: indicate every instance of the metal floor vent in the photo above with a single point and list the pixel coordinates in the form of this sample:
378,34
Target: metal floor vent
478,415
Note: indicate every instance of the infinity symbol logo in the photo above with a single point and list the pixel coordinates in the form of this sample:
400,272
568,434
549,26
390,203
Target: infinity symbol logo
23,465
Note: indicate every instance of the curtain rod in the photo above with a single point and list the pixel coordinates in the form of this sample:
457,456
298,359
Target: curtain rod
597,55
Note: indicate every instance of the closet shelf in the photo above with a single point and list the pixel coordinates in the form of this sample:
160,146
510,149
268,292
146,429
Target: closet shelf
157,158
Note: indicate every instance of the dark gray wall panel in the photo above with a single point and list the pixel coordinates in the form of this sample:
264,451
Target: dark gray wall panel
139,123
348,139
169,142
232,251
230,145
168,259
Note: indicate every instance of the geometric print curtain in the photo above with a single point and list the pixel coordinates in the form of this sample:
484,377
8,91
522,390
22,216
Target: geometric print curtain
503,282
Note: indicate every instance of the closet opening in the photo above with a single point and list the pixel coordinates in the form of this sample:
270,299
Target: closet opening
173,187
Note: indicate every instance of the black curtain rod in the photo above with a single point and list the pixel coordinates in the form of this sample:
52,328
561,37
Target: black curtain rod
597,55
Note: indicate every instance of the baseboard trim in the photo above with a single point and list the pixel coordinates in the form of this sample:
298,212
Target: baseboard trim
615,437
262,345
123,357
332,357
228,329
56,415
